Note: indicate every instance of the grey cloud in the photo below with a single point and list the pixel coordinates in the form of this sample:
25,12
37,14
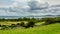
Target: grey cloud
31,8
36,5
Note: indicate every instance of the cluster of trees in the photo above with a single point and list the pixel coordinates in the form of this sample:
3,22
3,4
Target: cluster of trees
22,24
18,19
30,24
51,20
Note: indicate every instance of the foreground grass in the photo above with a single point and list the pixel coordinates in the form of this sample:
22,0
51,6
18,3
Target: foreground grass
47,29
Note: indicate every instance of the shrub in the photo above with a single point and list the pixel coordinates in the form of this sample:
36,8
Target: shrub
3,25
0,25
18,23
22,24
30,24
12,25
20,19
50,21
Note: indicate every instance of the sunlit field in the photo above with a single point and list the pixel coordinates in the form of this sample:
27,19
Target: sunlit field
9,22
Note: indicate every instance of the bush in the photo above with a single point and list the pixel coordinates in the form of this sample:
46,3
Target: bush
22,24
50,21
12,25
30,24
0,25
3,25
18,24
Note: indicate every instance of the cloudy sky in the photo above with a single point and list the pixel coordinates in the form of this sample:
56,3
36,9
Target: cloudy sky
10,2
22,5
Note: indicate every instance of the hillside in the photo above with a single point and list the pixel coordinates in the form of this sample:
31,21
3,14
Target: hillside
47,29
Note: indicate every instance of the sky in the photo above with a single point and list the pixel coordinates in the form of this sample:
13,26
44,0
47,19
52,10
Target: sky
22,6
5,3
9,2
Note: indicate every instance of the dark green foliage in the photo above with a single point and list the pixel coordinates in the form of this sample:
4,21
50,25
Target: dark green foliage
57,19
20,19
33,18
51,20
18,24
22,24
12,25
2,19
30,24
3,25
26,19
0,25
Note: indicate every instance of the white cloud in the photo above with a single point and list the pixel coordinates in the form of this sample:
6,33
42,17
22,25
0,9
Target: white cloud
22,0
53,2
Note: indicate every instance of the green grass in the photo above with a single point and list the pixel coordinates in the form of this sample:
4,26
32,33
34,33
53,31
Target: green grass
39,23
47,29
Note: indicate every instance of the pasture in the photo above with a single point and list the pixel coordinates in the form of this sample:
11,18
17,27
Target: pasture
46,29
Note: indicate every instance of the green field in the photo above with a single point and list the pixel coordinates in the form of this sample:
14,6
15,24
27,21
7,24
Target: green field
47,29
9,22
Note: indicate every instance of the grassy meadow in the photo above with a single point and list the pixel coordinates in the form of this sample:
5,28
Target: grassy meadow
48,29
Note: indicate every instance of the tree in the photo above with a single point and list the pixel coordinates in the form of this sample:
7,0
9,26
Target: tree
20,19
18,23
50,21
22,24
12,25
30,24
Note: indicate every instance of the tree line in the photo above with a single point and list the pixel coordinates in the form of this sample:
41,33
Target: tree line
51,20
18,19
